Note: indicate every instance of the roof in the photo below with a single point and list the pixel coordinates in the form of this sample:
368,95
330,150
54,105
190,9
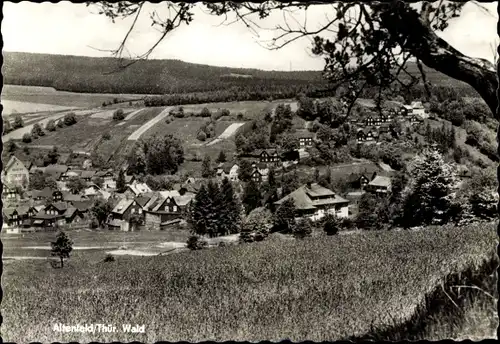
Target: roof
355,177
88,174
56,168
45,192
70,212
129,179
304,202
169,194
142,200
304,134
43,216
68,196
82,205
316,190
60,205
417,104
380,181
7,212
139,188
122,206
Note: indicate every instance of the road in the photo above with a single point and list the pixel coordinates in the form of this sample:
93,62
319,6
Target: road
230,131
145,127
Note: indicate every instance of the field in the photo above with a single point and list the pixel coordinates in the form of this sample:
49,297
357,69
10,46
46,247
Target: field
321,288
13,107
50,96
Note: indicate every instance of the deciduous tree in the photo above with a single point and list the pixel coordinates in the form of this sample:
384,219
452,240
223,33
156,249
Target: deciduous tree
62,247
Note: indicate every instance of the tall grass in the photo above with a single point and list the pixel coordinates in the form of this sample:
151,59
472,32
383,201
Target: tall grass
321,288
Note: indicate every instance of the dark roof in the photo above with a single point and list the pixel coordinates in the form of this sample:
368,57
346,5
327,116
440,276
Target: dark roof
82,205
56,168
303,201
306,134
60,205
44,193
41,215
142,200
70,212
88,173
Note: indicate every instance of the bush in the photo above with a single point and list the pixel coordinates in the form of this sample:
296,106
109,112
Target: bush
331,224
106,136
60,124
50,126
302,229
194,243
69,119
201,136
27,138
109,258
205,112
239,116
118,115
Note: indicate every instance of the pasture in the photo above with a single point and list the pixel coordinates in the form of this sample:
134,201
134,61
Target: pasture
13,107
51,96
320,288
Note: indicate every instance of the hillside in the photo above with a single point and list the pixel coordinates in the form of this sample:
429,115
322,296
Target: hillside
100,75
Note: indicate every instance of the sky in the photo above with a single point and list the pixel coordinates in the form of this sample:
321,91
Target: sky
75,29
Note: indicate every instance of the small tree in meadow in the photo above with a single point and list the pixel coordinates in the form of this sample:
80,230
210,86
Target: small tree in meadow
331,224
221,157
27,138
118,115
284,217
302,229
60,123
120,182
62,247
50,126
206,168
205,112
37,130
18,122
69,119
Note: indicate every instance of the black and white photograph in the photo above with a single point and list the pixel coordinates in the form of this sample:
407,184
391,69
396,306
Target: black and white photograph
249,171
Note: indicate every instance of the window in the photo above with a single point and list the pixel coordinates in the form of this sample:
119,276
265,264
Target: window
140,211
175,208
133,210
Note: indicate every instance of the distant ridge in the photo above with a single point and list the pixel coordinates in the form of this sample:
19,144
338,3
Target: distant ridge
91,74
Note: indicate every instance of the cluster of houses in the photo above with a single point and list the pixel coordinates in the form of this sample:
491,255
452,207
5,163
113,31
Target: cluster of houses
370,128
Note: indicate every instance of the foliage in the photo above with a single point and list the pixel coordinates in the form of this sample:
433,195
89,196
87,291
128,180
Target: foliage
284,217
202,136
18,122
194,243
156,155
206,168
245,170
109,258
37,131
75,185
205,112
51,125
302,229
118,115
428,196
52,156
256,225
60,123
62,247
252,198
331,224
215,210
120,182
106,136
101,210
69,119
222,157
10,146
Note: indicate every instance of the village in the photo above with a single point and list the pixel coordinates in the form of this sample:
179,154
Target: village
135,206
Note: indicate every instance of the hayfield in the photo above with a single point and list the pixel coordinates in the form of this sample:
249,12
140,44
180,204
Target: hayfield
13,107
321,288
49,95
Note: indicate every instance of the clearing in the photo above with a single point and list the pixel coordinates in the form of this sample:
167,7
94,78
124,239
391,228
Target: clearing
229,132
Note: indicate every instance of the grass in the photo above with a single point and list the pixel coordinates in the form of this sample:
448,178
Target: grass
322,288
51,96
13,107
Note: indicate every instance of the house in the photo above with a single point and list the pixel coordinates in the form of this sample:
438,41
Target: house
69,174
16,173
87,175
10,218
260,173
227,170
137,189
92,191
416,119
371,135
361,136
305,138
122,213
73,216
269,156
315,201
52,215
45,194
26,214
129,179
71,197
56,171
10,192
379,185
165,207
358,181
418,108
83,206
369,121
108,178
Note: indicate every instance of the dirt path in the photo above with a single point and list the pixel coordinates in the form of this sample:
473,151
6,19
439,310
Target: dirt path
230,131
145,127
132,115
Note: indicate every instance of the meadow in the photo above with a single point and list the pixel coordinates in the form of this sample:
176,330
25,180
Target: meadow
319,288
49,96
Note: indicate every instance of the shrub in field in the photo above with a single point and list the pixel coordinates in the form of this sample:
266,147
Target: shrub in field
256,226
118,115
106,136
51,126
69,119
205,112
27,138
194,243
62,247
302,229
201,136
10,146
18,122
331,224
60,123
222,157
37,131
104,104
239,117
284,217
109,258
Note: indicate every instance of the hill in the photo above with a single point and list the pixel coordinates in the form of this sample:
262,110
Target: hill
100,75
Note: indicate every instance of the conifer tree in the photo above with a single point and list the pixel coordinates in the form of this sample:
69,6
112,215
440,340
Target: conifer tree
231,210
251,196
120,181
206,167
222,157
197,215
